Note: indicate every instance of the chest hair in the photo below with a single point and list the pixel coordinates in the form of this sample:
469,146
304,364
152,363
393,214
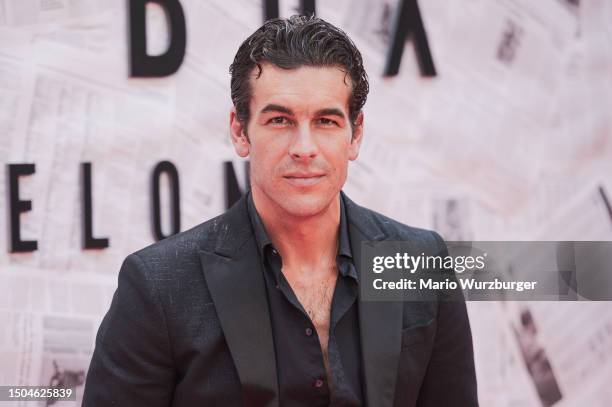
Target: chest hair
316,295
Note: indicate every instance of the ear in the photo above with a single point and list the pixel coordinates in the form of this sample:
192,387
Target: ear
356,138
238,135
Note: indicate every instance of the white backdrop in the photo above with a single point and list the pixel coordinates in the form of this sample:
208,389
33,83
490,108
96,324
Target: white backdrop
517,147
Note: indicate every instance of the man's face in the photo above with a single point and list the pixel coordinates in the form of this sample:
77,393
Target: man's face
299,137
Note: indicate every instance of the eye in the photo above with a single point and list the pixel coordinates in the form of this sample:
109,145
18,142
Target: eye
327,122
278,120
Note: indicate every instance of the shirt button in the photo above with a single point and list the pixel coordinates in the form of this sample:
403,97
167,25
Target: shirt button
318,383
308,331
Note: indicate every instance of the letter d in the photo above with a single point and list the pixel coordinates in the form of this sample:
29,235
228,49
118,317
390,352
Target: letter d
143,65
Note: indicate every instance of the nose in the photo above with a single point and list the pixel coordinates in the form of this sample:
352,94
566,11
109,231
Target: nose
303,146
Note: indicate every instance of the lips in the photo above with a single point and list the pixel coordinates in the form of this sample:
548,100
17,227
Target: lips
304,179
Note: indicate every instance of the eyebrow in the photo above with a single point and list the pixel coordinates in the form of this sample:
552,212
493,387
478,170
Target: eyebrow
277,108
330,111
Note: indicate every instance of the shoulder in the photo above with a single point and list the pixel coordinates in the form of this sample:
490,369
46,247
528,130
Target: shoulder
393,230
194,239
179,253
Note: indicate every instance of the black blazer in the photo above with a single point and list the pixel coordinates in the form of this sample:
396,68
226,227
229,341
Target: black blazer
189,326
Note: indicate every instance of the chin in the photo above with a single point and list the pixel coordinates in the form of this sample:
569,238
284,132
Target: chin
304,206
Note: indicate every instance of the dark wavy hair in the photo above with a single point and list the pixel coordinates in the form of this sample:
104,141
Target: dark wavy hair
290,43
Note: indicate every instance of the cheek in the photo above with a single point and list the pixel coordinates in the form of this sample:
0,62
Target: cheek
266,160
337,156
338,166
341,173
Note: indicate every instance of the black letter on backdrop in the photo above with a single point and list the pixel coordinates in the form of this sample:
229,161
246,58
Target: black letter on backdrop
271,9
18,206
89,242
172,173
143,65
232,189
408,22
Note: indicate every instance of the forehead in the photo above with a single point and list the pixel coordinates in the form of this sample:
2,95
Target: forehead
300,88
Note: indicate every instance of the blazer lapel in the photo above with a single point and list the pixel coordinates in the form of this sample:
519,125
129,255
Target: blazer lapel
380,323
235,280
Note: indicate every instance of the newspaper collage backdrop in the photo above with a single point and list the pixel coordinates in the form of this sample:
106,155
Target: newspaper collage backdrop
512,140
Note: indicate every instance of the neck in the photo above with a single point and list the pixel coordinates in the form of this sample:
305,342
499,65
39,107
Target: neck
307,244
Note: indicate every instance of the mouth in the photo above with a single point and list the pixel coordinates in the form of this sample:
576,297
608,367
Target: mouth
303,180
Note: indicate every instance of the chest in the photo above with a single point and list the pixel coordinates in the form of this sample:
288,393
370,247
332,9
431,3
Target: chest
315,295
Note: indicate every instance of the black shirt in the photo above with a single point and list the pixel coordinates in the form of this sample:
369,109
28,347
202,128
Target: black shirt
301,372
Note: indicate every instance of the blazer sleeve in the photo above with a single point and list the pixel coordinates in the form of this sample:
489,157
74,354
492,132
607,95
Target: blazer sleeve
132,362
450,379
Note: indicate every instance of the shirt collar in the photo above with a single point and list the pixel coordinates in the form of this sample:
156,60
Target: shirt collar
344,245
263,240
259,230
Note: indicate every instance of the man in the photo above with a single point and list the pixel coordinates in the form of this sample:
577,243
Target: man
261,306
